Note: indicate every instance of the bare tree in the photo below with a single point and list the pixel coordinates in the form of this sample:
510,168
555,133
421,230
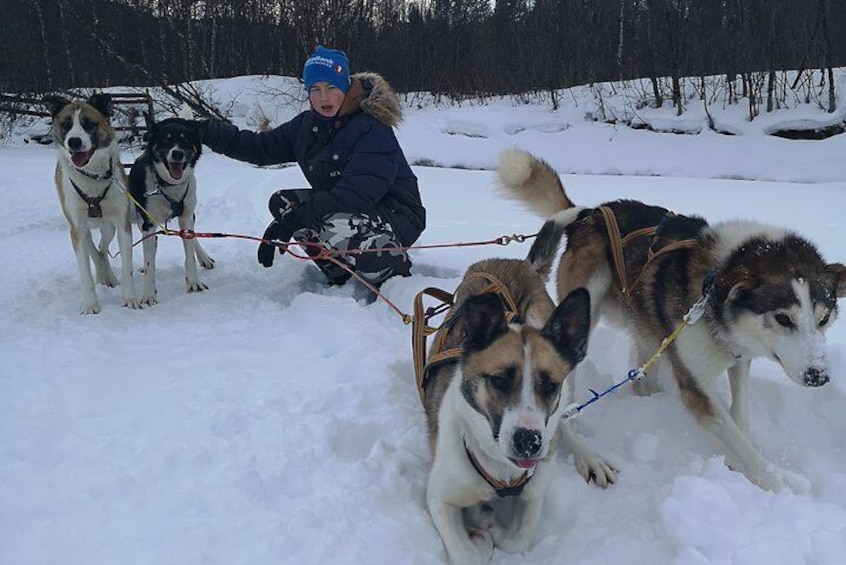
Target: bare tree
469,48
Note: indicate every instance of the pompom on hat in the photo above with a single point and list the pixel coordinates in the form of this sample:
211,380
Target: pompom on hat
327,65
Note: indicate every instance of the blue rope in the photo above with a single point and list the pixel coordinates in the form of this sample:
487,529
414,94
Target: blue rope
573,410
633,375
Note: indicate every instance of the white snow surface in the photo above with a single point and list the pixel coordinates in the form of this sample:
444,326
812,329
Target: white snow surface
271,420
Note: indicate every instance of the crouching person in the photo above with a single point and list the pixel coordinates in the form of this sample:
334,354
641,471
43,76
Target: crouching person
363,193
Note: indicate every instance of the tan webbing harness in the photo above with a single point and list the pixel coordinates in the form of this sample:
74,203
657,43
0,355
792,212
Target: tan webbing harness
618,244
421,330
501,488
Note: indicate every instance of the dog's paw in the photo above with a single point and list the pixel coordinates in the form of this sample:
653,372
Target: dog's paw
765,476
767,480
196,286
593,467
107,279
207,263
478,521
484,543
132,304
90,308
149,300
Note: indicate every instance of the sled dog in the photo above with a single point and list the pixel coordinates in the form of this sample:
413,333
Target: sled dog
91,182
767,292
163,184
494,405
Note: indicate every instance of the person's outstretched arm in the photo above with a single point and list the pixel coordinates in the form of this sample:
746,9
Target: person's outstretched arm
264,148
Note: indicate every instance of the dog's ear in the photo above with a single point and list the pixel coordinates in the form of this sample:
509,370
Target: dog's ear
103,103
838,270
569,326
729,285
55,104
484,321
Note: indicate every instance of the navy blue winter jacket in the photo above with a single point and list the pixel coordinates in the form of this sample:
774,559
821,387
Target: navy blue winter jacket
353,163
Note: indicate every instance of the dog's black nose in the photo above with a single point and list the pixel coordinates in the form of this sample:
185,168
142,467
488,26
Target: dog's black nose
815,377
74,143
527,443
177,155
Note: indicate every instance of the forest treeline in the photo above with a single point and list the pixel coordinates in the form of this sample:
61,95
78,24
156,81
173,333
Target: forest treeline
457,48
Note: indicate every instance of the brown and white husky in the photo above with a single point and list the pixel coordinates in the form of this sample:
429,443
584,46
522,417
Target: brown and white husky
494,407
767,291
91,184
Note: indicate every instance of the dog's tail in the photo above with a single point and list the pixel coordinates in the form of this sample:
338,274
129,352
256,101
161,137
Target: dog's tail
532,181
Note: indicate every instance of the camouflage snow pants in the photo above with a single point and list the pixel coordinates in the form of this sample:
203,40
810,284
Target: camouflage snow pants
344,232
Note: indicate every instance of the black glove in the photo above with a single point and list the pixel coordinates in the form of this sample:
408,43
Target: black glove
279,230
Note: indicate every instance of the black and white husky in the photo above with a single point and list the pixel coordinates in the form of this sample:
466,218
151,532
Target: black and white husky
163,184
494,406
91,184
767,292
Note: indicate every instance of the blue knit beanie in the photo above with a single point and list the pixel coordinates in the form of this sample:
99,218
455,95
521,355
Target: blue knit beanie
327,65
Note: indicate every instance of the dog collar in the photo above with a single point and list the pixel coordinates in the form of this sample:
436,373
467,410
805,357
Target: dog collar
94,208
501,488
105,176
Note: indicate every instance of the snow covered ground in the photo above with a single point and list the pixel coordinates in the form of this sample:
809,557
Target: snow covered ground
271,420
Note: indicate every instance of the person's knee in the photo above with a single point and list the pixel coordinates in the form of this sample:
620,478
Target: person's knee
376,270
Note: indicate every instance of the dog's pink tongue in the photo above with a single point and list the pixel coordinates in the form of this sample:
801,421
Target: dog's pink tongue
176,170
80,158
526,463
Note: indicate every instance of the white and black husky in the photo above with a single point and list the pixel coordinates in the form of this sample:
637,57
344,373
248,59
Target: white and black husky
91,184
768,293
493,406
162,182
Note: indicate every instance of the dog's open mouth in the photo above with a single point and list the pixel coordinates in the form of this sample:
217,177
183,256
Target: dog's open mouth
176,169
525,463
81,158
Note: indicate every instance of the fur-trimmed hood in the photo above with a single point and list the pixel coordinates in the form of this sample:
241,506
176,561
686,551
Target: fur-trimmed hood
372,94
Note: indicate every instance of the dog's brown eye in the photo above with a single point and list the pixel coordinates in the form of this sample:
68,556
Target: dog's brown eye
784,321
88,125
545,385
500,383
66,124
825,319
